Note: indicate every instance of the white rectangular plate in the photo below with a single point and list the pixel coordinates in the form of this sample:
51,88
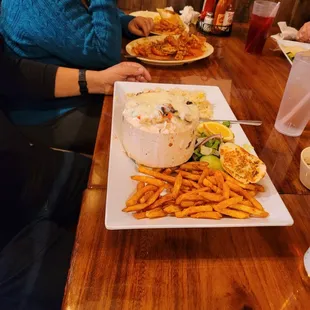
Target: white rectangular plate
284,43
120,186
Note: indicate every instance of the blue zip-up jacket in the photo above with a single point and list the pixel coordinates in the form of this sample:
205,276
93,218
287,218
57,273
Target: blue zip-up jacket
61,32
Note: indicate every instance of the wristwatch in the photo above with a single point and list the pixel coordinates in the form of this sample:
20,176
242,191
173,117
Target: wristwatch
83,82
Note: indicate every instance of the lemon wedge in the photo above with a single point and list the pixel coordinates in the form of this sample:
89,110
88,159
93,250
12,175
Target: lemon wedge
214,128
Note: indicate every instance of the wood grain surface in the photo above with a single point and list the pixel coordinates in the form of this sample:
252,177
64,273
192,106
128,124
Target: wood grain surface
239,268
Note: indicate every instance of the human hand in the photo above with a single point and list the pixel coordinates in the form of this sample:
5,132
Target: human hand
125,71
141,26
303,34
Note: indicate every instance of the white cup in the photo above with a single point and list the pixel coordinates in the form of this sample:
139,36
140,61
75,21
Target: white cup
305,167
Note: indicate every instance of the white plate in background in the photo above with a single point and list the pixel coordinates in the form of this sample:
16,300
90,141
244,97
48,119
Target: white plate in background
287,43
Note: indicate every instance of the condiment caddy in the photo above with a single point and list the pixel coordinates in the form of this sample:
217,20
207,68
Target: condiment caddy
216,17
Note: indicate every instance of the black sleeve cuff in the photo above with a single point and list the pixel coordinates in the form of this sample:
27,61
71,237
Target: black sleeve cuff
27,78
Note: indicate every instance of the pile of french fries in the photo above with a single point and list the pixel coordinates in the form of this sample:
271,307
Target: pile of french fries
192,190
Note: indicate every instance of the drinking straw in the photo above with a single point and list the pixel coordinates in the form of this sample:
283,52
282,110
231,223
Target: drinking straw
273,12
296,109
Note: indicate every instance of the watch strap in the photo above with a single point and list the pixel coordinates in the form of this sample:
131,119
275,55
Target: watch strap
83,82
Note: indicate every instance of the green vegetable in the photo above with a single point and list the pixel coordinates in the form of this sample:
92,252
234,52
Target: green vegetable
213,144
226,123
197,152
214,162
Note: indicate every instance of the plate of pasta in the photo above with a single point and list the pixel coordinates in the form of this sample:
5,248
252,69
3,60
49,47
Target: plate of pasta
170,50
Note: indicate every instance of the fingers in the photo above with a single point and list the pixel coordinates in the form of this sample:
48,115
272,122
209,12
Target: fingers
144,25
135,69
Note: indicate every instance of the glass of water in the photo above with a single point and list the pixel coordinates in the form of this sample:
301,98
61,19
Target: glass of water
294,112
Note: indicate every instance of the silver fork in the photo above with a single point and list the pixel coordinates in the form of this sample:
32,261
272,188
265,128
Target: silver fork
241,122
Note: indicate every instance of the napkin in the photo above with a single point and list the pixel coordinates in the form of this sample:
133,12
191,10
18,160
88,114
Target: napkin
287,33
188,15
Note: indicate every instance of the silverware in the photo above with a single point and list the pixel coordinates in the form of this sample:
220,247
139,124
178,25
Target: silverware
241,122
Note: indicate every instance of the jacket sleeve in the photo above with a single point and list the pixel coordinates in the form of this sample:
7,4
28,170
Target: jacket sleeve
93,37
125,20
26,78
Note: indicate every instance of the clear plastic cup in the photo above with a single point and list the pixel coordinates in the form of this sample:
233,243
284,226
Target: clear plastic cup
294,112
262,18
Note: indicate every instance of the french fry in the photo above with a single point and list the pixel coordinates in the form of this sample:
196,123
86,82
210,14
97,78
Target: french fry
172,209
207,215
226,191
245,194
198,203
211,196
139,215
213,180
188,197
137,195
190,176
153,198
194,192
177,185
146,196
168,203
161,201
254,202
192,210
259,188
158,169
247,203
233,213
155,213
195,185
195,165
161,176
148,180
203,176
251,187
137,207
219,179
140,185
251,210
228,202
167,171
186,204
252,193
208,183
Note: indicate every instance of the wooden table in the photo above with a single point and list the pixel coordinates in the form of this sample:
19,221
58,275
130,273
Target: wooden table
240,268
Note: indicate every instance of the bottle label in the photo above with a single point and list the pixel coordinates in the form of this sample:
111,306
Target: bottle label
228,19
220,19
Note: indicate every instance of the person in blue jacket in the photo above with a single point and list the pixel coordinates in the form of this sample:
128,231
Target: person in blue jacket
67,33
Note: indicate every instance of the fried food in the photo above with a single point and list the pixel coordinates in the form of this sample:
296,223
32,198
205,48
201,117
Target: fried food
137,195
184,46
207,215
240,164
193,190
169,23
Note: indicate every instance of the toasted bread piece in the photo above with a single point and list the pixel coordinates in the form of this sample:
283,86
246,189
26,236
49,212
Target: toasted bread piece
172,17
240,164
